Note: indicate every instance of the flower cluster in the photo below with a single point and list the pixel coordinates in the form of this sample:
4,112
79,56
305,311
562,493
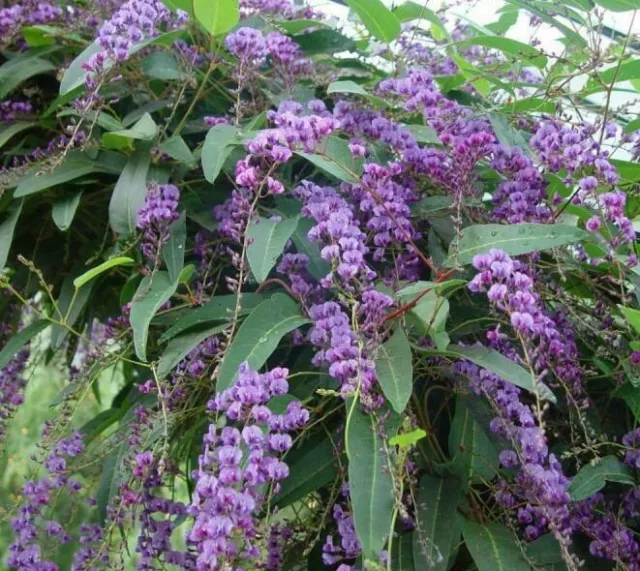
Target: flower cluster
349,547
160,210
12,18
240,466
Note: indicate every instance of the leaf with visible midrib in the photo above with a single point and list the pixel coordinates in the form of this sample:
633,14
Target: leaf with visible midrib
493,547
377,18
515,239
259,336
591,479
268,239
173,250
129,193
394,370
511,47
179,347
18,341
503,367
436,531
151,294
370,482
216,16
336,159
64,209
218,308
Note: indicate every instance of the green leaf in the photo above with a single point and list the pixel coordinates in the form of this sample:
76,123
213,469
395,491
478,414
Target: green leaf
545,551
64,209
179,347
298,25
493,547
259,336
144,130
335,158
431,311
436,532
633,317
19,340
348,86
525,53
152,293
217,148
413,11
20,73
177,149
317,267
217,16
402,553
7,228
217,309
474,459
592,478
424,134
111,476
506,134
186,5
12,129
377,18
394,370
173,250
162,65
514,239
268,240
619,5
503,367
503,24
533,104
103,267
129,193
311,466
74,166
370,481
324,42
631,396
407,439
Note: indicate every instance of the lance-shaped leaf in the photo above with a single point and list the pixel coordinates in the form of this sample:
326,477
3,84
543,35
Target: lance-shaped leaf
173,250
145,130
394,370
473,456
217,148
525,53
370,482
64,209
177,149
154,290
12,129
493,547
593,477
436,530
268,239
103,267
402,553
335,158
258,336
377,18
514,239
129,193
7,228
19,340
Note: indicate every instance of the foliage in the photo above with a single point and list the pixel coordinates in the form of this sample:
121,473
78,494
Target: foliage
350,295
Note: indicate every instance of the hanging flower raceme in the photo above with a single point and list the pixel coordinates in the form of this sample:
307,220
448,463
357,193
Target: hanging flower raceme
240,468
160,210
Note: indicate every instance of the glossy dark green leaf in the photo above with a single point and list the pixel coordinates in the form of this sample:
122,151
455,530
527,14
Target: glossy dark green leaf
514,239
370,482
493,547
216,150
179,347
474,458
129,193
16,342
436,530
8,221
64,209
217,16
162,65
258,336
20,73
173,250
593,477
394,370
152,293
324,41
335,158
219,308
402,553
177,149
311,466
546,553
268,240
